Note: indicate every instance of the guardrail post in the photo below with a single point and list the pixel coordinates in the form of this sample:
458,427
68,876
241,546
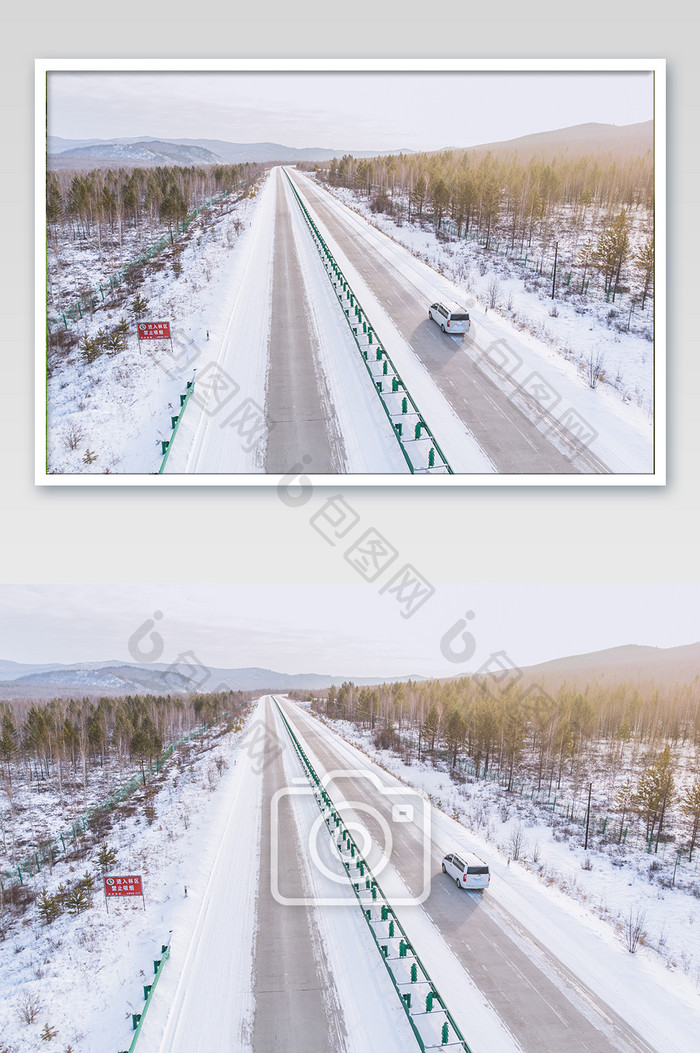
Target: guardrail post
386,914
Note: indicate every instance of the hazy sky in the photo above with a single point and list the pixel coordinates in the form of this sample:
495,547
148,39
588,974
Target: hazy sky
355,110
349,630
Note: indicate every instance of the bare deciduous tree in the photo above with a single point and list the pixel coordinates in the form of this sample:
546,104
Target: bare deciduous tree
595,370
494,291
635,931
516,841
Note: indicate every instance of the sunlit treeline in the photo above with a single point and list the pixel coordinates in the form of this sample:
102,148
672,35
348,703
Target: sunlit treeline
476,191
488,723
64,738
105,201
530,732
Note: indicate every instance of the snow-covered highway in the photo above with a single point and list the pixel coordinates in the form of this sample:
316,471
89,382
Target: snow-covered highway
269,964
285,384
542,1003
515,441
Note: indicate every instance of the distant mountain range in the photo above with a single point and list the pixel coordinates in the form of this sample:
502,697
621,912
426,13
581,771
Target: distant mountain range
668,665
145,152
118,678
592,138
631,662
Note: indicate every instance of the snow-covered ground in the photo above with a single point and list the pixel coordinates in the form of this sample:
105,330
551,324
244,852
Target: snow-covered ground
623,426
111,416
119,406
594,886
84,975
214,435
570,325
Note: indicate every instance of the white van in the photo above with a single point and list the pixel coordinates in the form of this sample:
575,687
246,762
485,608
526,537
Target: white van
467,870
450,321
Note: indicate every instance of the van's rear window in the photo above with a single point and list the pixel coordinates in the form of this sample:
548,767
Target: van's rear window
477,870
459,317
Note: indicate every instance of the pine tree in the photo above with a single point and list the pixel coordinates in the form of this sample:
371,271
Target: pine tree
8,742
90,348
431,725
611,252
440,199
654,793
419,195
145,744
455,733
644,265
49,907
584,260
690,806
106,858
623,800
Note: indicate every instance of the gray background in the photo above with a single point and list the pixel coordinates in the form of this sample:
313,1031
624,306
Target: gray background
514,534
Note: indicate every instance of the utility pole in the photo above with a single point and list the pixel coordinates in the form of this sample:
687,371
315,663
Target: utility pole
588,813
554,276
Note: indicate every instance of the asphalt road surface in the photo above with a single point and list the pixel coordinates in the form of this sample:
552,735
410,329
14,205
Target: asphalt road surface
544,1005
299,410
515,432
294,993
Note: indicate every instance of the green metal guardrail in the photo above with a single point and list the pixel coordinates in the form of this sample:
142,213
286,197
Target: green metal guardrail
406,971
166,444
394,396
137,1019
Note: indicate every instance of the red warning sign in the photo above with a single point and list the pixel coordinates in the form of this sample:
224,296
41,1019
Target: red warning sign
153,330
129,885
